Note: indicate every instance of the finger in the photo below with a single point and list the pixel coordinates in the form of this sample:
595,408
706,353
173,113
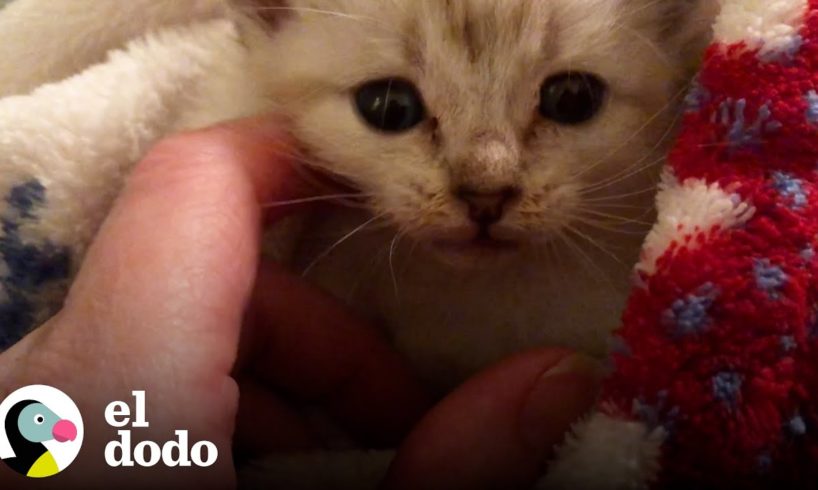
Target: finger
309,345
497,430
173,265
158,303
265,424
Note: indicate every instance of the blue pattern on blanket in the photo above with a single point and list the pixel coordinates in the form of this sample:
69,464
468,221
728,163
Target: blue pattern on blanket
25,267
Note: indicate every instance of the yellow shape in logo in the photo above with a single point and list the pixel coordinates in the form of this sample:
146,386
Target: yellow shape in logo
44,467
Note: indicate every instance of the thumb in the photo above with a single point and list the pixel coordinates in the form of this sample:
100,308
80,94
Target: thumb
172,268
498,429
157,305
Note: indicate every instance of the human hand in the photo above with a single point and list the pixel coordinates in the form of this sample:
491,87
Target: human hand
159,303
500,428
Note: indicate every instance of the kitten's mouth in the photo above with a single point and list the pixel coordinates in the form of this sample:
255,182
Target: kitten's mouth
481,245
478,252
493,244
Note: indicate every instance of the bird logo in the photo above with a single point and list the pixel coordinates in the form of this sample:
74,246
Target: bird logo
42,429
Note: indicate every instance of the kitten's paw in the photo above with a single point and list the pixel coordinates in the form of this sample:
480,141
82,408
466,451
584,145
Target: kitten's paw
605,453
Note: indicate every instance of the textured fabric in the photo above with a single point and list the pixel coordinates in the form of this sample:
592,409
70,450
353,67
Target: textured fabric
719,347
67,147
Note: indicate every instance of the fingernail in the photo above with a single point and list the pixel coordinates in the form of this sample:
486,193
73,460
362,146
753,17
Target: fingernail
562,395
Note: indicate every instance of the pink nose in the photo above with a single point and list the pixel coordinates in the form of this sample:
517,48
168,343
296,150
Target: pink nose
64,430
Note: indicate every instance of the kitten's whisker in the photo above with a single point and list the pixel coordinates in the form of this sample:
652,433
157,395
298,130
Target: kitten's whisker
338,243
306,168
584,258
617,197
392,248
594,243
384,224
610,226
652,151
326,12
610,182
307,200
622,206
638,131
620,219
609,229
311,10
623,174
643,7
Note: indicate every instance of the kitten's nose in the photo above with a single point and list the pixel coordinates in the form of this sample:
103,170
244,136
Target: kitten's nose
486,207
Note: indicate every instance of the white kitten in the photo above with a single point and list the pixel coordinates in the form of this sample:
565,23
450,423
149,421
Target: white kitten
505,152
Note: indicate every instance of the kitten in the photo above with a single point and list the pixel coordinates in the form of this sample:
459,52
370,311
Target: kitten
506,154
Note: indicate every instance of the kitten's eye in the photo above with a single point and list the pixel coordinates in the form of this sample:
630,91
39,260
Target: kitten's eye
390,105
572,97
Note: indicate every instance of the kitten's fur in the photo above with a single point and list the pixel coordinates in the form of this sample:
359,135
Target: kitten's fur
479,65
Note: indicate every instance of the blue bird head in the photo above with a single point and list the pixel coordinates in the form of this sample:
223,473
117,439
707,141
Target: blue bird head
37,423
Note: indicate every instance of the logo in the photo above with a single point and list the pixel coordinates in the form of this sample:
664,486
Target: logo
41,431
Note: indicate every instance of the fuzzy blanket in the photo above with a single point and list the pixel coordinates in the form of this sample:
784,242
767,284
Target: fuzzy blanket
714,371
67,146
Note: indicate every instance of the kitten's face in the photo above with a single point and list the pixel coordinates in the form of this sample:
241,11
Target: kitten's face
516,120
